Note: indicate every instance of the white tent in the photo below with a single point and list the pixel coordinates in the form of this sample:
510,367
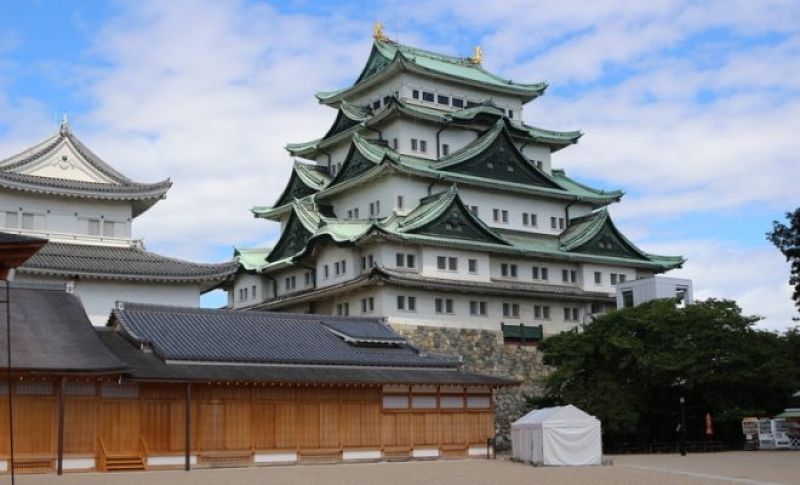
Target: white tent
562,435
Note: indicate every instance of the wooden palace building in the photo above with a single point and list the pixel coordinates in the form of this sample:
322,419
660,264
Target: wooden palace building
162,387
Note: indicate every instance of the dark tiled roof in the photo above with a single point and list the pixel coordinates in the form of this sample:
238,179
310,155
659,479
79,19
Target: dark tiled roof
51,332
204,335
8,238
363,330
128,263
148,366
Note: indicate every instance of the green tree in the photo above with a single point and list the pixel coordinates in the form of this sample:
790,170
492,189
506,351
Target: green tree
630,367
787,239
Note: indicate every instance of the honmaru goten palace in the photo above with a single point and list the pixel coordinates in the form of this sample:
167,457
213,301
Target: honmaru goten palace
185,387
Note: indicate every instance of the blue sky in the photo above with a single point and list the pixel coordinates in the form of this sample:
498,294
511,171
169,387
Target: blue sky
693,108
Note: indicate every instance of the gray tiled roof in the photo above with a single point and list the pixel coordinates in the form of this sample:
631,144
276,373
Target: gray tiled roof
143,195
9,238
205,335
51,332
127,263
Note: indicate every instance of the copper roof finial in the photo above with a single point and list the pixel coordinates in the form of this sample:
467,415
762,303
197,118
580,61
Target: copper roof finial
377,32
64,128
477,56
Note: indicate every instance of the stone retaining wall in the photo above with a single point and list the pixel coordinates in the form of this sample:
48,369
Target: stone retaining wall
483,351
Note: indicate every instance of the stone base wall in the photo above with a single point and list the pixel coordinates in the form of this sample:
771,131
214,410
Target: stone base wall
483,352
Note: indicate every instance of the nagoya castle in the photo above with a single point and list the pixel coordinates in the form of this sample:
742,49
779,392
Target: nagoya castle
432,202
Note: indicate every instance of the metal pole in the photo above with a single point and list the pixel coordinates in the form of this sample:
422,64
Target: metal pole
8,378
683,427
187,417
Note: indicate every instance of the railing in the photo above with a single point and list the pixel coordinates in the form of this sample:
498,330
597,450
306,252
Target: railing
78,238
102,455
144,452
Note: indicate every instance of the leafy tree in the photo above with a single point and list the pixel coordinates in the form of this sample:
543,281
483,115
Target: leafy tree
630,367
787,239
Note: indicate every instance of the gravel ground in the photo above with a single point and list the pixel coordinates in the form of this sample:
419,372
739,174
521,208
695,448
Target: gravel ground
736,467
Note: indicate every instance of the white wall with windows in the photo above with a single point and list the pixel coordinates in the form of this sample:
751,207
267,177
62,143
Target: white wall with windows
64,219
335,265
597,277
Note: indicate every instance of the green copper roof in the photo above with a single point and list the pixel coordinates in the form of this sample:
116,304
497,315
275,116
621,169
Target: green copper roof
485,112
252,259
388,57
306,179
443,220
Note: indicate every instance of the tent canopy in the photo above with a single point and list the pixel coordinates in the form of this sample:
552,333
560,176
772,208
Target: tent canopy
562,435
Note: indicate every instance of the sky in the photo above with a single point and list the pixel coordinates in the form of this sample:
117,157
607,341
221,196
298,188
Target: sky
692,108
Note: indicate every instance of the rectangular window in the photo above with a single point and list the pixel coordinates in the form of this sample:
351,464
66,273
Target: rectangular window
386,100
363,305
613,278
535,272
458,103
627,298
411,261
537,312
395,402
598,277
575,313
565,275
473,265
344,267
394,143
534,222
553,223
400,260
399,201
77,388
511,113
452,264
370,261
293,280
307,280
505,216
27,220
567,314
371,209
506,309
401,302
415,93
286,283
423,146
445,149
113,390
504,269
363,263
448,305
376,104
511,310
427,96
443,100
546,312
336,269
355,213
479,402
573,276
512,270
325,271
350,214
438,305
245,293
441,262
108,228
622,278
94,227
496,214
451,402
253,292
412,303
11,219
561,223
473,307
346,308
423,402
474,209
545,275
525,219
413,144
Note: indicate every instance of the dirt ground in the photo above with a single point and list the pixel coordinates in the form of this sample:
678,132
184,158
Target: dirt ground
732,467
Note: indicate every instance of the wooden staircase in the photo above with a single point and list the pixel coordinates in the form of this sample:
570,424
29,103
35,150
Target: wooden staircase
122,461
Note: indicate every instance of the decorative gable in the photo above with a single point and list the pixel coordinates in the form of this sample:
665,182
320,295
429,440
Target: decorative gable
376,63
354,165
609,242
67,163
498,160
293,239
295,189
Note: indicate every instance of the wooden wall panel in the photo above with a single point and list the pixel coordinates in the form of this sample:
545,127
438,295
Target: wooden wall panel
157,425
236,425
263,425
286,425
371,424
329,425
425,428
351,424
209,418
4,441
120,424
34,425
80,425
308,425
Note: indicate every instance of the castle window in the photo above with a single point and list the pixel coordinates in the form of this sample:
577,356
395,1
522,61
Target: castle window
11,219
376,104
394,143
400,260
414,143
399,201
415,93
386,100
458,103
325,271
544,274
622,278
401,302
355,213
423,146
496,215
490,165
441,262
445,149
94,227
427,96
553,223
343,309
410,261
505,215
511,113
336,268
443,305
27,220
627,299
474,209
412,303
613,278
367,305
561,223
452,264
598,278
473,265
445,100
511,310
307,279
477,308
108,228
350,214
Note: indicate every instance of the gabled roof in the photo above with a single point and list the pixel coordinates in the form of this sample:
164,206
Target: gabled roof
179,334
306,179
122,263
251,259
63,165
443,215
494,155
483,113
596,234
50,332
388,58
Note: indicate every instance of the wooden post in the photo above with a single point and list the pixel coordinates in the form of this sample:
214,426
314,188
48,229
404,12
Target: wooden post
187,416
62,386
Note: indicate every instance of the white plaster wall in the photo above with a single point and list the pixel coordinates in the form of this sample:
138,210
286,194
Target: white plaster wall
57,218
515,204
300,280
409,82
430,268
652,288
525,271
587,270
329,254
385,189
406,129
100,296
249,280
536,152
